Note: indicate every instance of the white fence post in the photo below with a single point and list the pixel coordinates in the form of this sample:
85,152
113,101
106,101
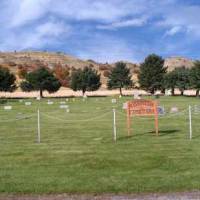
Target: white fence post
38,136
190,122
114,126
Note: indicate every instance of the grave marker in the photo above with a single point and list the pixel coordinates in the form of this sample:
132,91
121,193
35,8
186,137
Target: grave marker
161,110
114,100
174,110
7,107
64,106
28,103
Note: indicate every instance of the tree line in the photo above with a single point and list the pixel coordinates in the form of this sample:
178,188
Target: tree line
152,76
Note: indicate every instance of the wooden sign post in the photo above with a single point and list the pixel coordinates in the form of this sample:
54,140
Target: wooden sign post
141,107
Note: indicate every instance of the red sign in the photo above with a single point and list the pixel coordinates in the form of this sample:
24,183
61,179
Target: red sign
141,107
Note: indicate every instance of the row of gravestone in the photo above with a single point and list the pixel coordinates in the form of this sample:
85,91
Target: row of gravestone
62,106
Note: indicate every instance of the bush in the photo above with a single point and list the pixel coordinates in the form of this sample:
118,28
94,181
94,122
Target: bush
106,73
104,67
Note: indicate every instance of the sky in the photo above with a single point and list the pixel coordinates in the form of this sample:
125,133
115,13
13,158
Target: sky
102,30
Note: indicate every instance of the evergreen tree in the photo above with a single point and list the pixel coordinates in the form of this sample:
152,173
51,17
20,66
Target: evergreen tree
7,80
170,81
195,77
182,79
39,80
86,79
152,73
119,77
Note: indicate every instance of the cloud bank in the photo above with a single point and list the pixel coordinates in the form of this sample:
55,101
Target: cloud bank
105,30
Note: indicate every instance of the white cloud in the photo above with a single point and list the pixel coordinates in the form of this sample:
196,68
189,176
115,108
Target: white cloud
125,23
43,23
181,18
38,37
174,30
103,11
27,11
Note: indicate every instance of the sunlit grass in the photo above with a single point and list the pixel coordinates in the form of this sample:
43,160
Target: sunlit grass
77,153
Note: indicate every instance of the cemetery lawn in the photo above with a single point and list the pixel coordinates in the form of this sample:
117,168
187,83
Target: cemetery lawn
77,154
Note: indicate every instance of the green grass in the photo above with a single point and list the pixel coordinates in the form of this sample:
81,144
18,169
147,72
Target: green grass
77,155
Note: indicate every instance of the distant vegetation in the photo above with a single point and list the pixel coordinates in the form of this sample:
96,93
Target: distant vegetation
153,75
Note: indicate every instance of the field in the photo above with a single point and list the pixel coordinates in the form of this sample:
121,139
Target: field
77,153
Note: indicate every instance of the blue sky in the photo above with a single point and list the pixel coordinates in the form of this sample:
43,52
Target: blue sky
102,30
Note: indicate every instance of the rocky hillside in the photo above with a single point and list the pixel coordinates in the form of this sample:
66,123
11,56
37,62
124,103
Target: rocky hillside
175,62
13,60
31,60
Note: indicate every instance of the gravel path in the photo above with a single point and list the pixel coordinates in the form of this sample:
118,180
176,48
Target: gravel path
171,196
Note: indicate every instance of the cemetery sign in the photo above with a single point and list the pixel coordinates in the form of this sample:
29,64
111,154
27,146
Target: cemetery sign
142,107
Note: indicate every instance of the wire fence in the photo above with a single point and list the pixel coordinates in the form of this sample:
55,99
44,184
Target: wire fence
99,125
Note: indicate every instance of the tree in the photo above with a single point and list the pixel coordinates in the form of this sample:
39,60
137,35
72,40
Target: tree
182,78
7,80
119,77
86,79
39,80
152,73
195,77
170,81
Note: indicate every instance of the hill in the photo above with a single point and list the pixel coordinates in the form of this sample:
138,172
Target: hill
13,60
32,59
176,62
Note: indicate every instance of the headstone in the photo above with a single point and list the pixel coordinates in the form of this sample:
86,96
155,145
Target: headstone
28,103
67,110
174,110
38,98
21,100
161,110
64,106
62,103
120,96
67,100
73,99
114,100
125,106
7,107
50,102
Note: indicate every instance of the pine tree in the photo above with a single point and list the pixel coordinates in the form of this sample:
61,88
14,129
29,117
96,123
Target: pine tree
119,77
7,80
195,77
152,73
40,80
86,79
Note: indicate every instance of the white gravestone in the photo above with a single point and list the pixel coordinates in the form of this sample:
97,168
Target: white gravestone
114,101
174,110
64,106
7,107
28,103
50,102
